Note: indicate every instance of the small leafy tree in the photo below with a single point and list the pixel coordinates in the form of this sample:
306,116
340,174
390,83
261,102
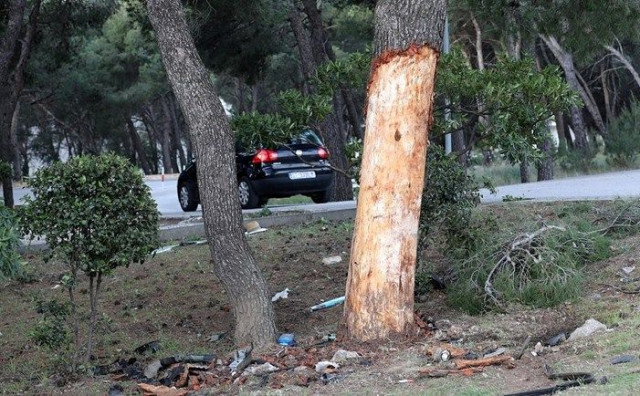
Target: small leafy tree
96,213
10,266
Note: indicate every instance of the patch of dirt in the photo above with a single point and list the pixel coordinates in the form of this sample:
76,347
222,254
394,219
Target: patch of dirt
175,299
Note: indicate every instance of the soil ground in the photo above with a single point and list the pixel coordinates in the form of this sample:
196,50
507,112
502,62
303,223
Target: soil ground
174,299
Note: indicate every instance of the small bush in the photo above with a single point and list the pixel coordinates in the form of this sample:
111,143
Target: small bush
96,214
623,144
10,260
450,195
51,331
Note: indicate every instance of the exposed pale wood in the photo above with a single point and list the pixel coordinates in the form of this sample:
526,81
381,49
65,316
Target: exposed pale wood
491,361
381,274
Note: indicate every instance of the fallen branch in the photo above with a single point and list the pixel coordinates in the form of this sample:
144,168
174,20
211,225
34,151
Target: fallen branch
435,372
491,361
522,244
620,289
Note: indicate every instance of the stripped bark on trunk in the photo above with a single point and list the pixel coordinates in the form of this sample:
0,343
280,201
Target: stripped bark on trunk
380,284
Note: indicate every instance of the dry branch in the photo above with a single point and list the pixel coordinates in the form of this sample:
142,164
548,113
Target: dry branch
490,361
521,245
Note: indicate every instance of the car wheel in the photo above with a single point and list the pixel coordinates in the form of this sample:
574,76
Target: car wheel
187,195
248,198
321,197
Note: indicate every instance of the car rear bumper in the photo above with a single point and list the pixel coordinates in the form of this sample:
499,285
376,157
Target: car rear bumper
278,183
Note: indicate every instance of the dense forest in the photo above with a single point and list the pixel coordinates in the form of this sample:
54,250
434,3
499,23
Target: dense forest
85,76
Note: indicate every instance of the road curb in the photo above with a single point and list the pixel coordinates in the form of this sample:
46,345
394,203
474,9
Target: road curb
185,231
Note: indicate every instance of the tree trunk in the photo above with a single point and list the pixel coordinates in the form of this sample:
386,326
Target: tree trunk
545,166
168,155
138,148
214,144
176,135
625,62
334,127
11,85
566,63
13,136
609,111
524,171
380,284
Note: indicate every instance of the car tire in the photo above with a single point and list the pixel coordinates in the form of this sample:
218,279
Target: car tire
187,195
248,198
321,197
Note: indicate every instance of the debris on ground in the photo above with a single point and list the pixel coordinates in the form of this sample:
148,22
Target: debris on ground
328,304
624,359
163,249
589,327
557,339
332,260
451,360
253,227
287,339
281,295
571,380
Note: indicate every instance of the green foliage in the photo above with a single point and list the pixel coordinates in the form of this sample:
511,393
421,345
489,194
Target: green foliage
515,99
350,72
448,201
10,260
94,211
304,110
577,160
5,170
623,143
51,331
255,130
542,265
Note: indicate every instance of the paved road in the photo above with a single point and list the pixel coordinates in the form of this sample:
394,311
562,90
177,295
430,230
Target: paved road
604,186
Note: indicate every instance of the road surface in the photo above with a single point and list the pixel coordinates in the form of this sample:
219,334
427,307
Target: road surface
603,186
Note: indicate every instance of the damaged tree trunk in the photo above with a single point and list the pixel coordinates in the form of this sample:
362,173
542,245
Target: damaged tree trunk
379,296
214,146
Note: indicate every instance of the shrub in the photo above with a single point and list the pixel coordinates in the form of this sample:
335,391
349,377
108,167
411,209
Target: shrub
10,262
622,145
96,214
449,197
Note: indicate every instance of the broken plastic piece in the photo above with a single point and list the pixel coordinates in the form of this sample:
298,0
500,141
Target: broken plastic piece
281,295
287,339
328,304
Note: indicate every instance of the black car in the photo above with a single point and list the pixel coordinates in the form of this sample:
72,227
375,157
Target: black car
299,167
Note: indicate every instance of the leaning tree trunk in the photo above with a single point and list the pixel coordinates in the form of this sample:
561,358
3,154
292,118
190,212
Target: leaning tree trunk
213,142
566,63
380,284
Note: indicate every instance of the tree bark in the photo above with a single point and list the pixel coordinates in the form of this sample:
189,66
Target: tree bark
566,63
138,148
333,128
545,166
380,284
168,155
13,136
11,84
625,62
214,144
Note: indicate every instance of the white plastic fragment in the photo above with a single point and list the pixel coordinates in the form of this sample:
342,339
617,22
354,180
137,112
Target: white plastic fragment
281,295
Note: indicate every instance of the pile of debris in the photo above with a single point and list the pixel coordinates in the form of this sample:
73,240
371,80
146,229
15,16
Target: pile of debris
449,359
288,365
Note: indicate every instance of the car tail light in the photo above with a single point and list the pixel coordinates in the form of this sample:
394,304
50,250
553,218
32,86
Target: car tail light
264,155
323,153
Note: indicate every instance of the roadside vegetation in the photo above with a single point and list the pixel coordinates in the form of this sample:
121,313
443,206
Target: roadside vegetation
173,298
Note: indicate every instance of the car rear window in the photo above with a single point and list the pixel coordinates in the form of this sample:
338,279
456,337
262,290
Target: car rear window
306,137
